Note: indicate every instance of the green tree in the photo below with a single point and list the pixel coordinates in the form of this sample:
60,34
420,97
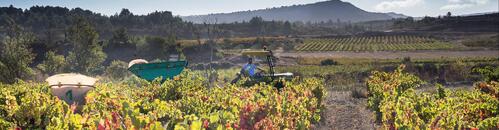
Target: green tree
15,54
53,63
120,38
257,24
86,55
161,47
287,27
117,70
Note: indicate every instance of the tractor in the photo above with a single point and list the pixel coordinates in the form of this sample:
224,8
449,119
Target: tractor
267,76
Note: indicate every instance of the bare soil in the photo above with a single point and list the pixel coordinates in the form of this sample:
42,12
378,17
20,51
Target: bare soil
345,112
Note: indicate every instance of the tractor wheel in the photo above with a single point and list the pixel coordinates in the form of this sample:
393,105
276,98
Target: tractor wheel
279,84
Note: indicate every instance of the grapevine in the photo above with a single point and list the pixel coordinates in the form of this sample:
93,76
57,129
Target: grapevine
398,106
175,104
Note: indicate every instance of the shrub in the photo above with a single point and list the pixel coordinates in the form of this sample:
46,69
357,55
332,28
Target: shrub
489,73
358,92
118,70
53,63
328,62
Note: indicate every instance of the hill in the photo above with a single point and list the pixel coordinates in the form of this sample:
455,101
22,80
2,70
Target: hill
321,11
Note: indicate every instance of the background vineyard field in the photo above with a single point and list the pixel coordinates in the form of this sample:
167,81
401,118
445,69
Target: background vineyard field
374,43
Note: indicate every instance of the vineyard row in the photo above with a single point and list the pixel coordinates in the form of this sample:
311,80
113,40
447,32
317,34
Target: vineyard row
374,43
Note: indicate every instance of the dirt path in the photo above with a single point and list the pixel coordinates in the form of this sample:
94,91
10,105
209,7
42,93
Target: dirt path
394,55
345,112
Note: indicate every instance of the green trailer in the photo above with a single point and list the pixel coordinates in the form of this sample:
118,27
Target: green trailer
165,69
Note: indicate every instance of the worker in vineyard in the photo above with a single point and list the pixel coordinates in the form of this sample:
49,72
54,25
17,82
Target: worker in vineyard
249,69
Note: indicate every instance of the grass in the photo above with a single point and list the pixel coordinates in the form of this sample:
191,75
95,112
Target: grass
324,70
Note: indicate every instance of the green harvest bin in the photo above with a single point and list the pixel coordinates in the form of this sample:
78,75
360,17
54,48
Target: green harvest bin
151,71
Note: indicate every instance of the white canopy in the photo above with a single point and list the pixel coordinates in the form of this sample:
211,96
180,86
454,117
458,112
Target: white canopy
136,61
71,87
70,79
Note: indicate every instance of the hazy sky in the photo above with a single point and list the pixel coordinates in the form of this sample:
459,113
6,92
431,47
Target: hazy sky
196,7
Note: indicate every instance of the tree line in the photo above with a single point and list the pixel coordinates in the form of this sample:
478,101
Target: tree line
48,21
476,23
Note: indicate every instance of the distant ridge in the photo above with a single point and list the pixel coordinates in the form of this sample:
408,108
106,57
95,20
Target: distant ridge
482,13
321,11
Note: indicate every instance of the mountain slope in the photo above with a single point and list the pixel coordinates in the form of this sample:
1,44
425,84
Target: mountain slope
316,12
